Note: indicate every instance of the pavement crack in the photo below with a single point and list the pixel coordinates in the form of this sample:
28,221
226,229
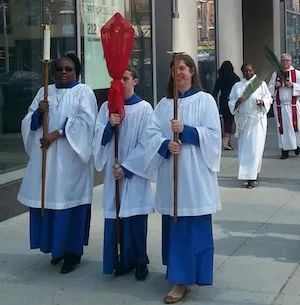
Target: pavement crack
20,271
284,285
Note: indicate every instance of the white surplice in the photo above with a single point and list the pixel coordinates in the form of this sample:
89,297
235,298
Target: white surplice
135,192
251,127
198,192
290,139
69,169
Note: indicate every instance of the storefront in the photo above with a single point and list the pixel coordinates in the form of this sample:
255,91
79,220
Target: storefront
206,43
292,30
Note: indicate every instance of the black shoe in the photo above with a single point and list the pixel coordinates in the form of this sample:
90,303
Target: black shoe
250,184
67,267
284,154
56,260
297,151
77,259
122,270
141,272
71,260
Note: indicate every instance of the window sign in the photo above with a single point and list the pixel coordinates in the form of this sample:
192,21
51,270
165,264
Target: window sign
96,14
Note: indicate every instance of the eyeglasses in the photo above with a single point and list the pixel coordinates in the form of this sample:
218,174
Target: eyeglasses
61,69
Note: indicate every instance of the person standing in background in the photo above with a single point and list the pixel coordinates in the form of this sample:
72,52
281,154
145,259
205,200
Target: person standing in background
286,107
227,78
251,124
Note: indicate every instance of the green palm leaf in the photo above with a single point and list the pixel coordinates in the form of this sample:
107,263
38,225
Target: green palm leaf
274,62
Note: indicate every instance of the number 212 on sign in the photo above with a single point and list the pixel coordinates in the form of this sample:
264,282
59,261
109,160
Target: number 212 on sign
92,29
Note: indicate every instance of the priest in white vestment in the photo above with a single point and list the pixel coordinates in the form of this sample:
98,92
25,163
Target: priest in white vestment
286,107
136,199
188,247
72,109
251,124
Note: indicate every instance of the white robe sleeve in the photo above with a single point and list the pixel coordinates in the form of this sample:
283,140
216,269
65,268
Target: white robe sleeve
100,152
296,86
154,138
233,97
28,135
210,135
271,85
135,162
266,97
80,129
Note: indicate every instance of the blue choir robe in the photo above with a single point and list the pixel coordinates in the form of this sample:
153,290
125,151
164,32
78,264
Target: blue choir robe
187,246
64,228
136,199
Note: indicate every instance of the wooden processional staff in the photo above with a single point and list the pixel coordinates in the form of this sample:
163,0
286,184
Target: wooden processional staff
46,60
175,54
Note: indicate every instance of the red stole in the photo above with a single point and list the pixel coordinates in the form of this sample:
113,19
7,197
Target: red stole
294,108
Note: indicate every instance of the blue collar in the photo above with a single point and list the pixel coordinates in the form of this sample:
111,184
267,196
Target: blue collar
67,86
187,93
133,100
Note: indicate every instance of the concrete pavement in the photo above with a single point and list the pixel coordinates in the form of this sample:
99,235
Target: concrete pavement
257,250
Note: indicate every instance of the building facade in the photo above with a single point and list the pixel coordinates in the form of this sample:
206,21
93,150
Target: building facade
211,31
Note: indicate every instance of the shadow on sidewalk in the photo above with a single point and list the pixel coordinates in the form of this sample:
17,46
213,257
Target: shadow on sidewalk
87,277
281,242
263,182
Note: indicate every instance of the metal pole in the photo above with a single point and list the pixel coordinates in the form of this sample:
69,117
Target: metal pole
154,58
4,7
78,31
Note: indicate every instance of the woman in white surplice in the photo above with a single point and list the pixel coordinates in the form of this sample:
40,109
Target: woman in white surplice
251,124
187,246
72,109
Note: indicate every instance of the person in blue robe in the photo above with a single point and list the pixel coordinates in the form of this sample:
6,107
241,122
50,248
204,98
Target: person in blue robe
135,192
187,245
64,228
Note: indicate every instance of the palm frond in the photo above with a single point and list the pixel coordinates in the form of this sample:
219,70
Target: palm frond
274,62
251,88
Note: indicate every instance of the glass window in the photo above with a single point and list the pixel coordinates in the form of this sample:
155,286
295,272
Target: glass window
293,33
292,5
206,43
138,13
21,43
96,13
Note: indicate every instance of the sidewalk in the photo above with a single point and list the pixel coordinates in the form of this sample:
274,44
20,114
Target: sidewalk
257,250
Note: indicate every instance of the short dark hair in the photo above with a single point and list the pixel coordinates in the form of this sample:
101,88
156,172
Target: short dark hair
245,65
188,60
73,58
133,71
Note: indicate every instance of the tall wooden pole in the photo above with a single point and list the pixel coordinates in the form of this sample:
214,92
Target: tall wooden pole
46,59
175,52
176,138
117,194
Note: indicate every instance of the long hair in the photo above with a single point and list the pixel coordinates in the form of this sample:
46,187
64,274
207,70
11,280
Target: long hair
187,59
226,73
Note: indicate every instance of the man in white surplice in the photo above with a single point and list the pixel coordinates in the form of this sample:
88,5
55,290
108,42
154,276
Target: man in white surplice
251,124
136,199
72,110
287,107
